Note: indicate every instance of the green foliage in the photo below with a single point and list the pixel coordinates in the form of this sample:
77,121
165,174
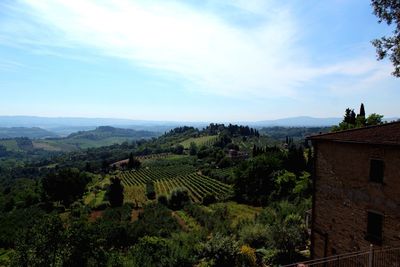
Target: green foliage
151,251
133,163
150,191
179,198
40,245
209,199
163,200
222,251
13,222
155,220
115,192
388,46
66,185
303,187
254,179
178,149
351,122
255,235
82,247
286,231
193,149
247,257
284,183
374,119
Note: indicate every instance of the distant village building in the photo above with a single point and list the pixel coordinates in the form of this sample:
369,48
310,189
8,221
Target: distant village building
356,196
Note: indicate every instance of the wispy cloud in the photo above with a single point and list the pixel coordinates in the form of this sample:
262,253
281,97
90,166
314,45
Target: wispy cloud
209,53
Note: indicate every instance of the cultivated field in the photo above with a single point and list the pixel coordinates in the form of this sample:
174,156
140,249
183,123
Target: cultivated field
168,178
199,141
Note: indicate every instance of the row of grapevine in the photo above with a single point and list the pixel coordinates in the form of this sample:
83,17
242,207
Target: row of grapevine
142,176
168,178
198,186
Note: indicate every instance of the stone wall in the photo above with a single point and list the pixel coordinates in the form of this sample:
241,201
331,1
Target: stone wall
344,195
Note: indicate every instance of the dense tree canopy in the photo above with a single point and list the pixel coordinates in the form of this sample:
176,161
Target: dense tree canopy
66,185
116,192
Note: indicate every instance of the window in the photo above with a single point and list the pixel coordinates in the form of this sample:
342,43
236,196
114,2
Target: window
376,171
374,228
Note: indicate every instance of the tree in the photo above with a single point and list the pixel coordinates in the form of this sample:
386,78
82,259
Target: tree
179,198
66,186
388,46
374,119
41,244
193,149
116,192
178,149
150,191
133,163
350,121
362,110
254,179
152,251
360,120
221,251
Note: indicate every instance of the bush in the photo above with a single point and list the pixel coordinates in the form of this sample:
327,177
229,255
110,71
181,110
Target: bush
223,251
247,257
179,198
151,251
209,199
150,191
254,235
163,200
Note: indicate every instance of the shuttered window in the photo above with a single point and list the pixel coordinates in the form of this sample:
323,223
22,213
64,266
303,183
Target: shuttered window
376,170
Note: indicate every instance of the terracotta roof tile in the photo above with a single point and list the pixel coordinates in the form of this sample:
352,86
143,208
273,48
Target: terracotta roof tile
384,134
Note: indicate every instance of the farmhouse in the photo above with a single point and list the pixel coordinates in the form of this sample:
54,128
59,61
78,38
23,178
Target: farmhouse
356,195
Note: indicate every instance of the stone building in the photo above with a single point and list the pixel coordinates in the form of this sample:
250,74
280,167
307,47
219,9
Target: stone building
356,195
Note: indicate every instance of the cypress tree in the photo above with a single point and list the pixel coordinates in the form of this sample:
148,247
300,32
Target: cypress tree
362,110
116,192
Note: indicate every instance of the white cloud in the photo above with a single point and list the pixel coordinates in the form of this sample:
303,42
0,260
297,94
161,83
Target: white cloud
209,53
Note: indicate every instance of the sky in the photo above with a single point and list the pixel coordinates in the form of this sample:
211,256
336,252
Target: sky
192,60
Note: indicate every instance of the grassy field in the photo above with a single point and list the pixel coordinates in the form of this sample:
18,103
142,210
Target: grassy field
10,145
238,212
199,141
96,191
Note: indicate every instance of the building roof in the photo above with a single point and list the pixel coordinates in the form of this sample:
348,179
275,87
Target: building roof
384,134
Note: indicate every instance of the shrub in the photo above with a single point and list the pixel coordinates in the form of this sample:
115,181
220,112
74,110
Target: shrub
179,198
247,257
222,250
254,235
163,200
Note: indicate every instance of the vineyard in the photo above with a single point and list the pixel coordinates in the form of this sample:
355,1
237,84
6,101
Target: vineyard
165,179
207,140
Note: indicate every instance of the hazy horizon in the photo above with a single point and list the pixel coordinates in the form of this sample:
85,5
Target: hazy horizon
188,61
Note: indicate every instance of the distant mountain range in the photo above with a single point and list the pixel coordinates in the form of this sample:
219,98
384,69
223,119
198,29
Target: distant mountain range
43,139
299,122
33,133
104,132
66,126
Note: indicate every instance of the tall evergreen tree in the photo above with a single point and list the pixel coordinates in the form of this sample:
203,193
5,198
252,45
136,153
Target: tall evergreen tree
133,163
362,110
353,117
116,192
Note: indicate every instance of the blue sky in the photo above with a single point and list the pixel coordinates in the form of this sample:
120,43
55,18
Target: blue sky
211,60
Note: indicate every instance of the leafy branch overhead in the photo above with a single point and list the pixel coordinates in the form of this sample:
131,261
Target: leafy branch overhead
388,46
